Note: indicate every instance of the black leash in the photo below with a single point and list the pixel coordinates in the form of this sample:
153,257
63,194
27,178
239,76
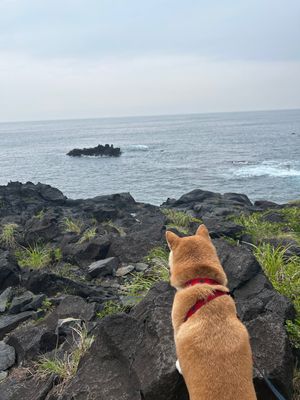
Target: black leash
270,385
273,389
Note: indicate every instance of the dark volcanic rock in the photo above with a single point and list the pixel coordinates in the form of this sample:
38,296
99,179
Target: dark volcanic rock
5,298
7,356
107,150
51,284
10,322
202,203
26,302
9,271
84,253
103,267
133,356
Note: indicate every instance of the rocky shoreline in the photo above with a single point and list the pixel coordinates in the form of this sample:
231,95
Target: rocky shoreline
67,267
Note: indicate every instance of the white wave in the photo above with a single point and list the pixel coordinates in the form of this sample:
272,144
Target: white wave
267,168
136,147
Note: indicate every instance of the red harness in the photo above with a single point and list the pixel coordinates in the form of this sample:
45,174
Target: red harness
201,303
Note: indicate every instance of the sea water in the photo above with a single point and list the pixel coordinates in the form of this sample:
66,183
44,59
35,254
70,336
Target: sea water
256,153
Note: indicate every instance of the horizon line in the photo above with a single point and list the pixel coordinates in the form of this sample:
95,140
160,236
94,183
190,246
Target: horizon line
148,115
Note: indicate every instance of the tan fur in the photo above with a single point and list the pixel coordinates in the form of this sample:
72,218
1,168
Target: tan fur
212,345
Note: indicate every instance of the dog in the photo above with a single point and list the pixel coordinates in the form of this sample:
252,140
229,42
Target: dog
212,344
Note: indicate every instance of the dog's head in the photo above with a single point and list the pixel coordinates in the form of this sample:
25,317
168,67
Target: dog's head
192,257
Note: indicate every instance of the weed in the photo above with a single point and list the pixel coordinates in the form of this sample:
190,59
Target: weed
70,225
179,220
88,235
141,283
8,235
65,368
40,215
37,256
284,273
111,307
157,255
258,228
118,228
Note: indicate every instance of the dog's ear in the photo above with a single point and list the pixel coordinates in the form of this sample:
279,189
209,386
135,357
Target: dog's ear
172,239
203,231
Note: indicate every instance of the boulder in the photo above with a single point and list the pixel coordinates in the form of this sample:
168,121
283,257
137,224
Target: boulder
32,341
124,270
10,322
7,356
115,366
9,271
52,284
103,267
5,298
26,302
83,253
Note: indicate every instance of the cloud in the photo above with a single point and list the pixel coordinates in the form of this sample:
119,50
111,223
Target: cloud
33,89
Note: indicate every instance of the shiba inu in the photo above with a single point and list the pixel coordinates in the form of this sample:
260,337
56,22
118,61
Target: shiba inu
212,344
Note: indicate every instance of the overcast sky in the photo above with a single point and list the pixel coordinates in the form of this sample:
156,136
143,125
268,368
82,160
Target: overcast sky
94,58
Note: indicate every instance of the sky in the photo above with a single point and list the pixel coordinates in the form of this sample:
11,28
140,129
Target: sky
62,59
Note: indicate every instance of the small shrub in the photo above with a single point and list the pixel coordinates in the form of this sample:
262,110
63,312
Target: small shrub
111,307
72,226
66,367
179,220
88,235
8,235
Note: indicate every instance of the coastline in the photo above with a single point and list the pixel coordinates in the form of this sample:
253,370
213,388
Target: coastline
89,259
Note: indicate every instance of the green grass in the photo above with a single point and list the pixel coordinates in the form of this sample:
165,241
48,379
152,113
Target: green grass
8,235
72,226
40,215
111,307
37,256
258,228
157,255
65,368
141,283
118,228
284,273
88,235
179,220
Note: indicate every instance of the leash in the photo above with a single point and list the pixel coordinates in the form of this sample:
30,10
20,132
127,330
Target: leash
273,389
270,385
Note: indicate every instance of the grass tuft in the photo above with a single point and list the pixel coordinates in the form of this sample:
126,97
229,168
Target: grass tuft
179,220
141,283
72,226
258,228
8,235
37,256
111,307
65,368
157,255
88,235
284,274
118,228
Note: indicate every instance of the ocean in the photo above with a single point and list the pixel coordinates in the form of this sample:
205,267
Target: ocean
256,153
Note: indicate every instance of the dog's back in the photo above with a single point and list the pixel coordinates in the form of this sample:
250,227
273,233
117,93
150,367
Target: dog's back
212,344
